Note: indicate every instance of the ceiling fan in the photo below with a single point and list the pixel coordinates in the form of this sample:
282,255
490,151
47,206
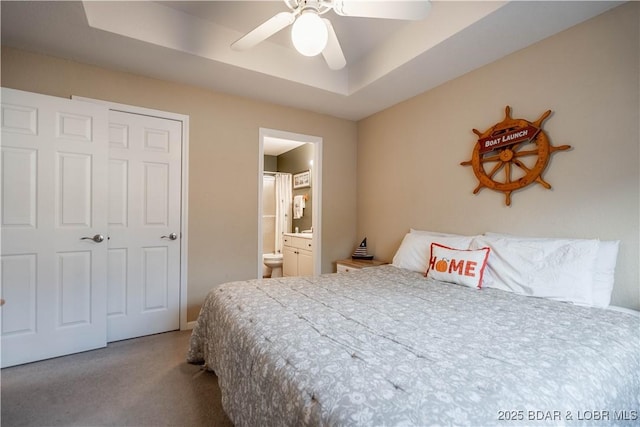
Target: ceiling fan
312,35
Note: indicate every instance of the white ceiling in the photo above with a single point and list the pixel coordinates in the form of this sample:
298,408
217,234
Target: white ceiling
388,61
276,146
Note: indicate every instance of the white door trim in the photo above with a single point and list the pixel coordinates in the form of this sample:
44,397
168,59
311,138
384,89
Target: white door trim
316,179
184,202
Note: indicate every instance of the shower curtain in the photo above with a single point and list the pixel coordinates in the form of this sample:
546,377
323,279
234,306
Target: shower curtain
283,207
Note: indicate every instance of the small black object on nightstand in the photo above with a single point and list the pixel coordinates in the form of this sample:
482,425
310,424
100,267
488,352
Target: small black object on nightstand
361,251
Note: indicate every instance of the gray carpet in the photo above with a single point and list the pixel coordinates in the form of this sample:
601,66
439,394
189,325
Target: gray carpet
139,382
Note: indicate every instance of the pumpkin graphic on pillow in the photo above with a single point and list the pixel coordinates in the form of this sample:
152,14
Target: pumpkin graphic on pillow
442,265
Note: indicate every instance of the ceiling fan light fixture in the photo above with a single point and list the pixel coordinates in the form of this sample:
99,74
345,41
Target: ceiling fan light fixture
309,34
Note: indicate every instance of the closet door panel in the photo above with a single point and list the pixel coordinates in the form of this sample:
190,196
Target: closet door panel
54,169
144,225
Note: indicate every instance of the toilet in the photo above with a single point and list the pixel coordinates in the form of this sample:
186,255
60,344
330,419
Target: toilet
274,262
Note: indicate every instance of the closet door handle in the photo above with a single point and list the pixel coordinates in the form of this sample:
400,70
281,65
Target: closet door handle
97,238
172,236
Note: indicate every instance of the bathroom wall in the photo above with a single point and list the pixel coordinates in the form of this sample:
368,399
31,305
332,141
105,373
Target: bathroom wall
271,163
295,161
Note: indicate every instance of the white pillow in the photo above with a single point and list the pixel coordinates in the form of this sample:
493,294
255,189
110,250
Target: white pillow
415,249
463,267
559,269
604,268
604,274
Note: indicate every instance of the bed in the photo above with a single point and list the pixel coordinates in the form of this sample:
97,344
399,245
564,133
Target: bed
389,346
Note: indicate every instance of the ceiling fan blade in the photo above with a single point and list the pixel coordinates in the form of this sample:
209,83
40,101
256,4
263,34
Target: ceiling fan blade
332,53
264,31
413,10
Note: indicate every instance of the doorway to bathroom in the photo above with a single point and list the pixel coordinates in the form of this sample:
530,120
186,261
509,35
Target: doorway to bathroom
300,157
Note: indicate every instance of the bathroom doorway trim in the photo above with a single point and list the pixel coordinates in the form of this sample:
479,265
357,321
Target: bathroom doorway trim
316,179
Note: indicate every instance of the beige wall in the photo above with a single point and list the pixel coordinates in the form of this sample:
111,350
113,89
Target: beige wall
409,172
223,161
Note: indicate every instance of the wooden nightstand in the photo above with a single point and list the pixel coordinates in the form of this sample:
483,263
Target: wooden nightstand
349,264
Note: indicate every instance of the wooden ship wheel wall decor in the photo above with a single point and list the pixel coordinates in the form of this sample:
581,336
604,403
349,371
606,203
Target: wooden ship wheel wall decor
511,155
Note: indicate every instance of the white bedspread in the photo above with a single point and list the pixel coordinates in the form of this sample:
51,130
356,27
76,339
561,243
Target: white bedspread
385,346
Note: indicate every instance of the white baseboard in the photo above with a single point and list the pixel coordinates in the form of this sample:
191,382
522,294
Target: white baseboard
190,326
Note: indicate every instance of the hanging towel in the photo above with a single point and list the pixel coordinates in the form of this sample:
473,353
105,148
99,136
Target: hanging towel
298,207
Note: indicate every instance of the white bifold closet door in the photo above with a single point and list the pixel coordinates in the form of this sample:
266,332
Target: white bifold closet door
54,226
143,292
90,226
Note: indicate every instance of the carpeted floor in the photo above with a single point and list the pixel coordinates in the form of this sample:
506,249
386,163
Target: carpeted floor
140,382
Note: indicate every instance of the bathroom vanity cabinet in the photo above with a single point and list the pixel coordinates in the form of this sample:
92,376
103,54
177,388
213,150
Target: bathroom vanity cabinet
297,255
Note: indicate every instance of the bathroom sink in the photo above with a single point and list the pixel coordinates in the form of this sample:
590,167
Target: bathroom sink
303,235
